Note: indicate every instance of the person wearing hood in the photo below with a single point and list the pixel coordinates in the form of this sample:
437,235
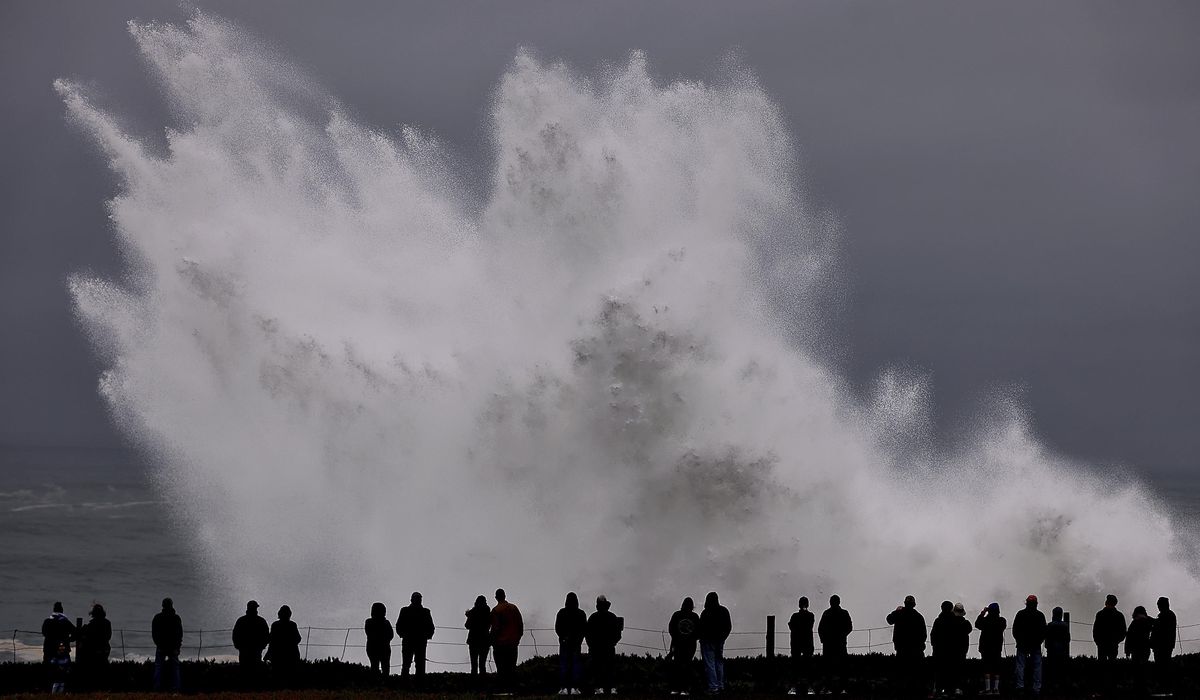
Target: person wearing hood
479,622
56,629
801,627
834,629
1058,651
715,626
684,629
250,637
379,640
1029,631
950,639
414,627
603,631
1137,646
571,627
991,628
908,639
166,629
283,647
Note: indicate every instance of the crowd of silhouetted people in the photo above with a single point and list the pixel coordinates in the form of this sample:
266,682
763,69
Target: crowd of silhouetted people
1042,648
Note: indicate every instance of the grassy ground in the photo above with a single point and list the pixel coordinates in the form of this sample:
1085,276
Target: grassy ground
867,677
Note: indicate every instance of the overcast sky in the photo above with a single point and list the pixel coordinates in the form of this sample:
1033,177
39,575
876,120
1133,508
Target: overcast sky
1018,183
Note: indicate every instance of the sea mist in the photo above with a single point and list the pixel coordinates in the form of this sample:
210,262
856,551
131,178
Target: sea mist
360,381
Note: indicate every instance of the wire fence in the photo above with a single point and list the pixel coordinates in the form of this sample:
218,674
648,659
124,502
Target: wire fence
338,642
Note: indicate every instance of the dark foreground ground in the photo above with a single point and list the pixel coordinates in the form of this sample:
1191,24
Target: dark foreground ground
868,676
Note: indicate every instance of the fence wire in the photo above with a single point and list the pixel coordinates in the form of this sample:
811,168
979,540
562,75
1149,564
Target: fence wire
338,641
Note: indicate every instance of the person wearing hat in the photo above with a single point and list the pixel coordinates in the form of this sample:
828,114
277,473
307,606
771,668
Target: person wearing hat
950,639
1029,631
251,635
991,646
603,631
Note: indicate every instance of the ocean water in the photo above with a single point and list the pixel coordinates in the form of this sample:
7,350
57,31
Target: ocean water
82,525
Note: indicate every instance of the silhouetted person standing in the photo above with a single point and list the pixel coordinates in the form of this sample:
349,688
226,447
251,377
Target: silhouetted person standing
506,632
571,626
1137,646
715,626
56,629
908,638
379,640
1029,631
950,639
1108,631
283,647
415,628
991,628
801,627
1058,651
684,629
94,646
250,637
834,629
479,624
603,633
166,629
1162,643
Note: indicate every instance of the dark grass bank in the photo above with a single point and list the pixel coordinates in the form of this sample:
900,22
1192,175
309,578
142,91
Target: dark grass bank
868,676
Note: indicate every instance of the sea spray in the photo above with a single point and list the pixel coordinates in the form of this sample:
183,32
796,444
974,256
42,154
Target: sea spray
358,382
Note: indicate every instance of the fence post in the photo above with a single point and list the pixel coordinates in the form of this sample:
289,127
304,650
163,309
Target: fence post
535,647
1067,619
770,636
306,637
868,640
14,646
123,657
345,643
200,646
